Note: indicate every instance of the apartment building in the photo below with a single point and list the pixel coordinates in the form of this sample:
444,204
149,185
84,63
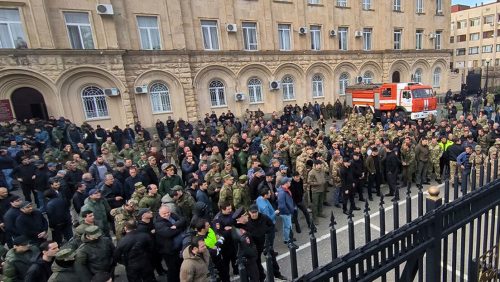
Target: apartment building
113,62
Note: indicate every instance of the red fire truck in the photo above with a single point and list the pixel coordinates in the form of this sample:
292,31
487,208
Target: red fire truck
413,99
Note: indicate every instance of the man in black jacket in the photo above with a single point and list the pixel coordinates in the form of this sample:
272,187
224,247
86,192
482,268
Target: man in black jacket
297,189
24,174
32,224
358,171
261,229
168,228
392,165
40,270
129,186
10,217
58,213
112,191
247,251
134,251
348,186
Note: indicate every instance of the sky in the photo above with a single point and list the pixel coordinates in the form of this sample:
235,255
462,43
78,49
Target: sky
471,2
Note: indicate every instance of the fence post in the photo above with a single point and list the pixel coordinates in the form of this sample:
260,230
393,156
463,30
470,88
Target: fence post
314,246
472,178
293,259
495,169
333,237
350,231
433,253
269,259
488,171
481,174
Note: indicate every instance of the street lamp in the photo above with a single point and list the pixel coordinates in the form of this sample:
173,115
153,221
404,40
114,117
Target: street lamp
486,82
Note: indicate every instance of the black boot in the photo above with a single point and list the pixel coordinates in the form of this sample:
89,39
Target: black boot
297,228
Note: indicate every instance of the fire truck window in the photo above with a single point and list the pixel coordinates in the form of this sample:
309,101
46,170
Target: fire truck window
406,95
386,92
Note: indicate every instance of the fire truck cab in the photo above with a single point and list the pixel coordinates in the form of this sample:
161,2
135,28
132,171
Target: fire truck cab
413,99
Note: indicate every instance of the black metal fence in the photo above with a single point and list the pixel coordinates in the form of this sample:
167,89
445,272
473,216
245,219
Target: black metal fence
457,238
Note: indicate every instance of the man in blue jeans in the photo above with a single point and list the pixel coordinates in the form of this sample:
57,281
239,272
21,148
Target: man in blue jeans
286,206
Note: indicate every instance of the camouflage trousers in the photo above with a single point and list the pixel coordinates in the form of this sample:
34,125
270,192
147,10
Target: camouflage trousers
408,171
434,165
453,168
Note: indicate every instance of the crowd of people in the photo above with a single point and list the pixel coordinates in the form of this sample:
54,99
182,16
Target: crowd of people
195,199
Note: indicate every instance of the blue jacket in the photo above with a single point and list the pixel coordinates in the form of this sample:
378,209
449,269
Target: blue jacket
266,208
286,205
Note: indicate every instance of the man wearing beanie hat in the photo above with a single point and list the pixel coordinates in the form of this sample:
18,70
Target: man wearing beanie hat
246,249
19,259
63,268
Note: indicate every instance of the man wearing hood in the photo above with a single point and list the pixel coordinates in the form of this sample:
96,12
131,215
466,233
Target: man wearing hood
194,268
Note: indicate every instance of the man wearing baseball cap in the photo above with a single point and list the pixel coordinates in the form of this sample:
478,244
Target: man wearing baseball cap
245,244
286,206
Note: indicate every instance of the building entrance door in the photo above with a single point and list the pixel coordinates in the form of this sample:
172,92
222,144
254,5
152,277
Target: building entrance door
29,103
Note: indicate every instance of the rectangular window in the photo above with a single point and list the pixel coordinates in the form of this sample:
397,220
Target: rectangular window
367,4
474,36
11,29
462,38
452,39
420,6
79,30
474,63
315,37
314,2
487,48
473,50
497,61
367,39
210,35
439,7
452,26
489,19
437,39
461,24
343,36
284,37
498,48
342,3
396,5
419,39
475,22
250,36
149,32
460,52
397,39
488,34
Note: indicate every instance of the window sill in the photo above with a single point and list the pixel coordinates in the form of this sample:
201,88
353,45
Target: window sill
398,11
219,107
420,14
97,119
289,100
315,5
212,50
369,10
439,15
160,113
257,103
283,1
343,7
319,97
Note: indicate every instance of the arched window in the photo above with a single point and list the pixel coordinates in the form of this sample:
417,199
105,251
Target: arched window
94,102
160,98
417,77
217,97
343,83
287,85
436,77
317,85
255,90
368,77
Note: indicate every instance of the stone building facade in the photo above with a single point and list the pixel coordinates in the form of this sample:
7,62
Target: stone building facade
187,58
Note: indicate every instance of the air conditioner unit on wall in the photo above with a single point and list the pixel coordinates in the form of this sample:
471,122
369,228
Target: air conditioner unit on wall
432,35
141,89
111,92
274,85
358,33
239,97
231,28
303,30
359,79
333,33
105,9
